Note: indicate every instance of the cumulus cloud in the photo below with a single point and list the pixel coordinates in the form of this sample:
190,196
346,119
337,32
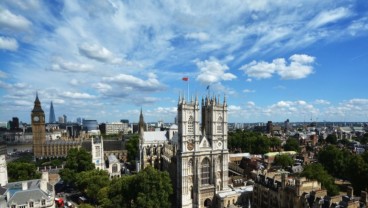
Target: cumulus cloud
62,65
99,53
211,71
200,36
300,66
10,44
13,21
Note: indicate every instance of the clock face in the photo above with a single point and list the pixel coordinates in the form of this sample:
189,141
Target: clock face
36,118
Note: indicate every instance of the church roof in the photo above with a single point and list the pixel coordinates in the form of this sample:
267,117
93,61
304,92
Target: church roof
109,145
154,136
112,159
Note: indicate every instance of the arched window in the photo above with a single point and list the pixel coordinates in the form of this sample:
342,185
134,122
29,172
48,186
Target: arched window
190,125
114,168
219,125
205,170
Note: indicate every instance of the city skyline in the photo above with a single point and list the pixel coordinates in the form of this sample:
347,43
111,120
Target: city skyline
274,60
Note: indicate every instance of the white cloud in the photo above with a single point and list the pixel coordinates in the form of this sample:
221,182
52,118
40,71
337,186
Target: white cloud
330,16
10,44
62,65
3,74
77,95
248,80
321,102
99,53
75,82
248,91
300,66
251,104
13,21
129,82
211,71
24,103
200,36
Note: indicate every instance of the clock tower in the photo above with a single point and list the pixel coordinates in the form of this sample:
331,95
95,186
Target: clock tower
38,129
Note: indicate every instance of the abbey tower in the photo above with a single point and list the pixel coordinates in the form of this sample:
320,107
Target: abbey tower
202,156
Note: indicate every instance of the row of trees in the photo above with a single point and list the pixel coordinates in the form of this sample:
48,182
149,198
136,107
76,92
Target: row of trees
343,164
257,143
148,188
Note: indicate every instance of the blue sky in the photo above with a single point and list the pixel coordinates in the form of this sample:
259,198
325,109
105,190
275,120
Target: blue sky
104,60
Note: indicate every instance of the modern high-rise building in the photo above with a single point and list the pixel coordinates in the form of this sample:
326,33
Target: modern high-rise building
52,118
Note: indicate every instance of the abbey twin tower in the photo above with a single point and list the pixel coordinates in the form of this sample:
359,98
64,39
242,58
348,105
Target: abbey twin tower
194,152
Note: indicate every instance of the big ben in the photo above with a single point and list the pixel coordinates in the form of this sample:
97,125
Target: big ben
38,129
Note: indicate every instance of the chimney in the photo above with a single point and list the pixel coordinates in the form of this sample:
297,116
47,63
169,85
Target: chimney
44,181
24,185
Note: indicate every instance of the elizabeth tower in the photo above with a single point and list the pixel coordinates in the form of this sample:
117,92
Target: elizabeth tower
38,129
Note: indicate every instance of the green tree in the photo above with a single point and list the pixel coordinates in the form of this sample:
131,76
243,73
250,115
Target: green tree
275,143
283,160
20,171
331,139
334,160
91,182
149,188
292,144
317,172
85,206
78,160
358,173
247,141
132,147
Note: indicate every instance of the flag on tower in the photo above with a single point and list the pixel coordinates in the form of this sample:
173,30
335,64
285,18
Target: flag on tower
185,78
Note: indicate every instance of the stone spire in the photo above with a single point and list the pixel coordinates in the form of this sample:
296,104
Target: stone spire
141,124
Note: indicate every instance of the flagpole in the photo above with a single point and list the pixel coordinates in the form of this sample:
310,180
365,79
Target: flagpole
188,90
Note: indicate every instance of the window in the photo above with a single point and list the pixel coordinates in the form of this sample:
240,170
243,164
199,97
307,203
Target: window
114,168
43,202
205,170
23,206
97,151
190,166
31,204
190,125
13,206
219,125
